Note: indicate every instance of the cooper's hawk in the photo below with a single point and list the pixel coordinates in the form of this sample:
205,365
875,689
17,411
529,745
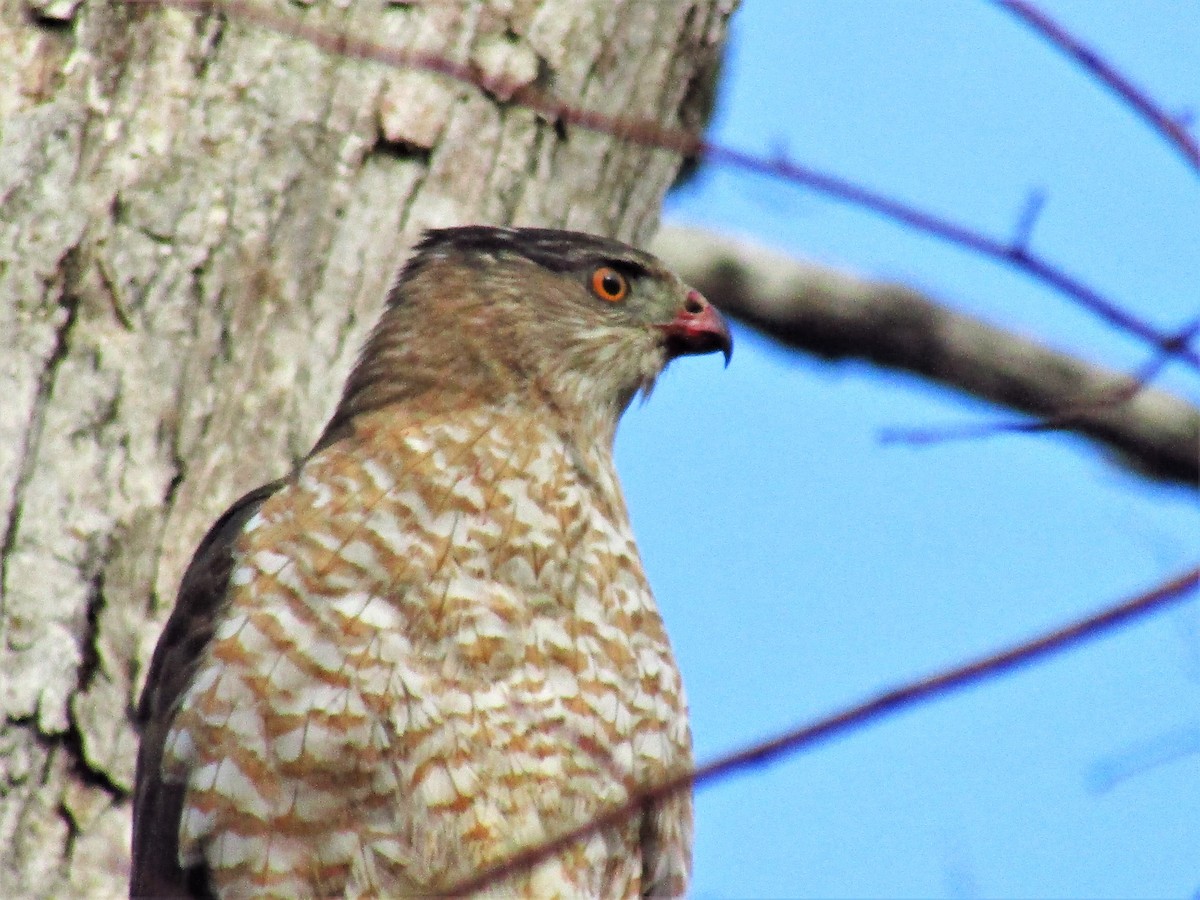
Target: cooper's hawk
433,644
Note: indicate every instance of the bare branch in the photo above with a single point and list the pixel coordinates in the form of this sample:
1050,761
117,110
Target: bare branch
1015,255
1170,128
866,713
1063,420
650,134
836,316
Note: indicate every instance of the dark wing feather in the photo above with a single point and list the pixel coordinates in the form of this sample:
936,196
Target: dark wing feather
158,804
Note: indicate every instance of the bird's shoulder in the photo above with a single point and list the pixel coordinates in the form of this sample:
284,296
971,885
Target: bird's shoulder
155,866
198,605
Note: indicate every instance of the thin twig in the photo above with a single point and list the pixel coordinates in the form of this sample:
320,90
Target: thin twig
1170,128
650,134
858,716
1144,757
1011,254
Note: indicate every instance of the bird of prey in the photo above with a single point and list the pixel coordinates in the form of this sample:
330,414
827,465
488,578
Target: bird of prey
433,645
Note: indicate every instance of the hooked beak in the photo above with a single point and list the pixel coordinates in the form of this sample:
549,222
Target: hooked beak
697,328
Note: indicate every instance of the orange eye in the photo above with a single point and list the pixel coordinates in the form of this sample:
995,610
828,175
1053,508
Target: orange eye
609,284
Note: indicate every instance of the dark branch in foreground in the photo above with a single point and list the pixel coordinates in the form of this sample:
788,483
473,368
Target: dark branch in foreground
1092,62
836,316
650,134
866,713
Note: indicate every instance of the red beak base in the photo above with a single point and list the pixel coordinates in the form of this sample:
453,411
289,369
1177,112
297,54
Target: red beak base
697,328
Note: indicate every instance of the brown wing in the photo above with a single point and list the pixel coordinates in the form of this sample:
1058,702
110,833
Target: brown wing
157,804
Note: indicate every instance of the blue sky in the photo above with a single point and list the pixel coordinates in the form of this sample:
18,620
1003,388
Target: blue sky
803,565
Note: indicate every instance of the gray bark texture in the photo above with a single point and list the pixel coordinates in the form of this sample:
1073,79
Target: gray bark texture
835,316
198,221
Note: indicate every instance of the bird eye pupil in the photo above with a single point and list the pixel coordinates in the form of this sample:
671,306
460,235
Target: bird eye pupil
609,284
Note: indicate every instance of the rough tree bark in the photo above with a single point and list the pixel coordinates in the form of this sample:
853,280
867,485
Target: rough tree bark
198,221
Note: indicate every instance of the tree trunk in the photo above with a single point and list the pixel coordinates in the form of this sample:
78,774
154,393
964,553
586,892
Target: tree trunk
198,221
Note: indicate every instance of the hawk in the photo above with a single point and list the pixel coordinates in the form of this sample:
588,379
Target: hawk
433,645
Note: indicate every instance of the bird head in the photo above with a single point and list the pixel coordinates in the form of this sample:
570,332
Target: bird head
579,322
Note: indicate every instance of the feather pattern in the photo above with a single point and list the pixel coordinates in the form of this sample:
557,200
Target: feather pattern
433,645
